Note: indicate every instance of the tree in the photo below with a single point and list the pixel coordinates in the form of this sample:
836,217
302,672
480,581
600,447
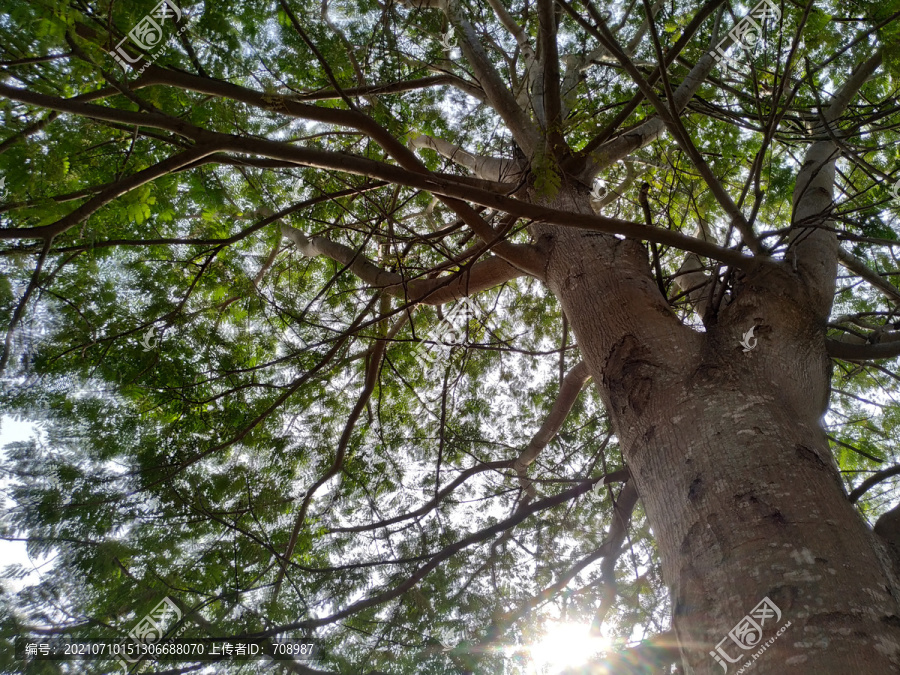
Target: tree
307,298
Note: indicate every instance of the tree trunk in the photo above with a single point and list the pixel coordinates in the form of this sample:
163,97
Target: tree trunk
732,464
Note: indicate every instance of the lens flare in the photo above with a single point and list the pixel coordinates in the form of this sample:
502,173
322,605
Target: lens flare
565,645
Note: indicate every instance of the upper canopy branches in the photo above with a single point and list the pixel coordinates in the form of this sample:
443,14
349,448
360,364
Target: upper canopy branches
506,51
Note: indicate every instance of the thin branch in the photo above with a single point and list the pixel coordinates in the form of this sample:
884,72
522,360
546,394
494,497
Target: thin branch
432,503
872,481
373,369
672,122
494,169
378,89
569,390
481,276
23,302
447,552
858,267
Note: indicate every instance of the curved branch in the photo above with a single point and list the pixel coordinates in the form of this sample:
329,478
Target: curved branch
432,503
614,193
481,276
618,529
373,368
447,552
860,268
571,387
108,194
853,348
487,168
872,481
623,509
528,259
501,99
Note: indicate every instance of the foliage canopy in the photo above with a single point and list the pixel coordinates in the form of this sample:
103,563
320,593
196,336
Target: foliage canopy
210,396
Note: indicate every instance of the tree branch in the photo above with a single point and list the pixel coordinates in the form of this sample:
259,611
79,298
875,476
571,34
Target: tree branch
500,98
814,247
377,89
494,169
623,509
527,259
595,159
108,194
872,481
480,276
672,122
373,368
860,268
853,348
447,552
23,302
549,68
432,503
569,390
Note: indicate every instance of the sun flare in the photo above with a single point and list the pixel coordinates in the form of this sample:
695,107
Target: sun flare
565,645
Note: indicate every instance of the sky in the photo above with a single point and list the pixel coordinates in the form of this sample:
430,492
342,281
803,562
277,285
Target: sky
11,552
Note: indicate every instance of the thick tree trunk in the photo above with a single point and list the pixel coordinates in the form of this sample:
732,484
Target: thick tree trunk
731,462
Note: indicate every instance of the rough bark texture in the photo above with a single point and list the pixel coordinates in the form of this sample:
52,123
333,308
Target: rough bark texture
731,461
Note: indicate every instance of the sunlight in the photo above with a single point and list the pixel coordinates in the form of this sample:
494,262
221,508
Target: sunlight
565,645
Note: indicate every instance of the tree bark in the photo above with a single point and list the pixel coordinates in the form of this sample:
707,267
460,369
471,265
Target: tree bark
728,453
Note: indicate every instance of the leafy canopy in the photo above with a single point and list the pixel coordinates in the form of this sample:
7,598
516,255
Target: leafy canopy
198,381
